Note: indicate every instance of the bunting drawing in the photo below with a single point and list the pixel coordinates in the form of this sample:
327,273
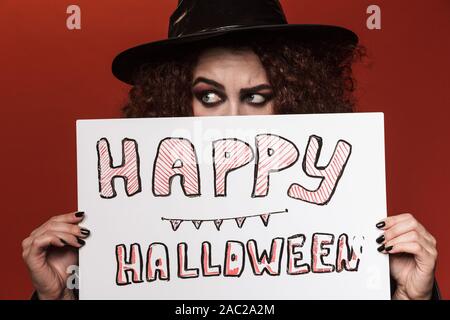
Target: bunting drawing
176,222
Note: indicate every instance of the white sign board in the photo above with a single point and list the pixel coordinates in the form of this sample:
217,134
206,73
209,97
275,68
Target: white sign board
247,207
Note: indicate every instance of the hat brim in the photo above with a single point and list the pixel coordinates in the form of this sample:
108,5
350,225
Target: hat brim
126,62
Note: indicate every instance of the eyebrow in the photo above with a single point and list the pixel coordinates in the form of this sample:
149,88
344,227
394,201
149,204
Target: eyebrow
243,91
209,81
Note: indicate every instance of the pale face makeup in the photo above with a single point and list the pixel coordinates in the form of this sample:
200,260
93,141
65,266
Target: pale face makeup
230,82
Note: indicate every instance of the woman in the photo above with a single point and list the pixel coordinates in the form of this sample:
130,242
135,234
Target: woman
215,66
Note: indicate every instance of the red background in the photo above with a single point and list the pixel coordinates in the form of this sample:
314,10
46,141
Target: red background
51,76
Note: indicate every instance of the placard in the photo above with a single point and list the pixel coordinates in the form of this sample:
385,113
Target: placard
242,207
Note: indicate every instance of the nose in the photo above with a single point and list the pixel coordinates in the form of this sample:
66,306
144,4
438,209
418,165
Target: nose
234,108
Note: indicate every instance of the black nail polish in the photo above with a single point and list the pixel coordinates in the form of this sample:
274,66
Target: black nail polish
81,241
380,239
63,242
381,224
85,231
381,248
389,248
79,214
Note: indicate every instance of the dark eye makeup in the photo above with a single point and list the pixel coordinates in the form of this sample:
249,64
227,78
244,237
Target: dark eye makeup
211,98
257,99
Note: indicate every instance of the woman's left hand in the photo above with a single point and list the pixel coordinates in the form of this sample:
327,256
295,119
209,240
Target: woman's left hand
412,257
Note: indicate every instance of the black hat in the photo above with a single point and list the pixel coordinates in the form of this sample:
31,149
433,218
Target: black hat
197,20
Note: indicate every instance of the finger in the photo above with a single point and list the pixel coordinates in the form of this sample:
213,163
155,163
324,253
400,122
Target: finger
58,239
388,222
63,227
403,226
26,243
425,260
71,217
39,244
69,239
411,236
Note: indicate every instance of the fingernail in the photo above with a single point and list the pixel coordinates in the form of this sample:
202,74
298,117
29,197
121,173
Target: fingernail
380,224
63,242
79,214
389,248
380,239
85,231
381,248
81,241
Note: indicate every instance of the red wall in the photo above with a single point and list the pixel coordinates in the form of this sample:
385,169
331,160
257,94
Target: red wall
50,76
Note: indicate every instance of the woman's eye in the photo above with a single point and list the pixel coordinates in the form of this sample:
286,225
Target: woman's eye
211,98
256,98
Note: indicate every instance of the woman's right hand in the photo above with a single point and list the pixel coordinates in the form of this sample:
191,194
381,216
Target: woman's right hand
50,250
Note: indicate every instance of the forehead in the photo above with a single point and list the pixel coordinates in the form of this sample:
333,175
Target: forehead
226,63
